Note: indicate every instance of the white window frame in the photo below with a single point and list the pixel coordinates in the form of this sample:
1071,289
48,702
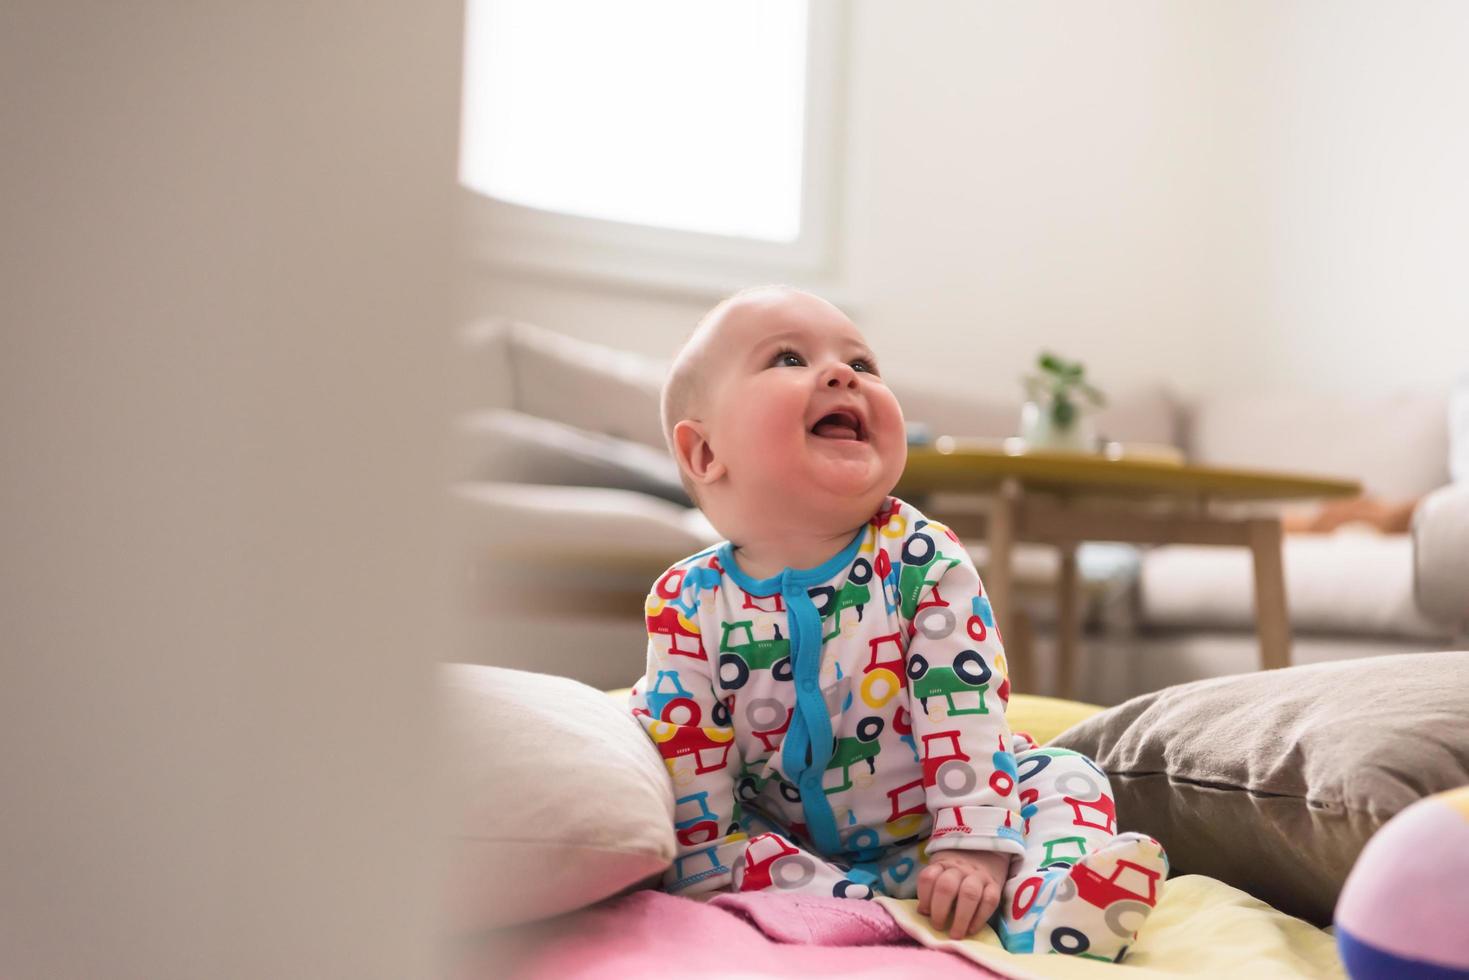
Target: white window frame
511,238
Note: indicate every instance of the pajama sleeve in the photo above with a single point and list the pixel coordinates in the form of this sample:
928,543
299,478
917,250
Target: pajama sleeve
678,706
958,688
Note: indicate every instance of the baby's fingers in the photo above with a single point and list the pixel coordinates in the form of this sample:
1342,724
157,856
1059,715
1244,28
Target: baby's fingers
926,878
945,890
993,895
971,898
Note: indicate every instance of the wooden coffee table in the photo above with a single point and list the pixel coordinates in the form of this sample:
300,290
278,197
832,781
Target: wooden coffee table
1063,499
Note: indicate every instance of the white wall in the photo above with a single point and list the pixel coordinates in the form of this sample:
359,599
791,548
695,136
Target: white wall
1228,195
1357,111
224,313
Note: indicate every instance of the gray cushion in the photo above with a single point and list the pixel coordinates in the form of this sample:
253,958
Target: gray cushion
1273,781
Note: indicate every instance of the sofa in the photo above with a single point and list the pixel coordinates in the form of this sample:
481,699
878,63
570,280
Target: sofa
568,506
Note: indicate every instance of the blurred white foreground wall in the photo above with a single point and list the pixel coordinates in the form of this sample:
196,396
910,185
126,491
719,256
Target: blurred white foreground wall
223,323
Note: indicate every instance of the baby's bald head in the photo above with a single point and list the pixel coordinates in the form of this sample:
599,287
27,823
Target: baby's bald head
775,405
690,377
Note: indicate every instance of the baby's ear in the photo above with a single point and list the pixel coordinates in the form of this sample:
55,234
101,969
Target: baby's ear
694,453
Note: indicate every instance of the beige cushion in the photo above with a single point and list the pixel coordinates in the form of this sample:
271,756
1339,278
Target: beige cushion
1273,781
482,365
519,448
558,799
587,385
946,412
1396,445
1441,555
592,527
1144,414
1352,581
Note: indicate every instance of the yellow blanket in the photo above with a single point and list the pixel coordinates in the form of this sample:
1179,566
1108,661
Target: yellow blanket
1201,927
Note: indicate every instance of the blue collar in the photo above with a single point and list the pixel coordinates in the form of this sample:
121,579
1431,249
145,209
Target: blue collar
786,578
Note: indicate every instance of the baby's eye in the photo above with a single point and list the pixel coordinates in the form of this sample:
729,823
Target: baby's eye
788,358
862,367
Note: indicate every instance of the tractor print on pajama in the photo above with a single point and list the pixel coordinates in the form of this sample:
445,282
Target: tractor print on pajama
740,653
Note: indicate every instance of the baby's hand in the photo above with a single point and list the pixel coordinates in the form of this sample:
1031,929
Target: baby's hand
968,883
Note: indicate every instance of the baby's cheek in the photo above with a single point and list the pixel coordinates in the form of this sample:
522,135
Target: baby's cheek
771,436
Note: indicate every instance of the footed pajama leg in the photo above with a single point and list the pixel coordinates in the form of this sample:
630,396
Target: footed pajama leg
1081,888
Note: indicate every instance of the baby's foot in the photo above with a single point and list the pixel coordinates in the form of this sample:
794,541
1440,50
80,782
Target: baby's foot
1097,909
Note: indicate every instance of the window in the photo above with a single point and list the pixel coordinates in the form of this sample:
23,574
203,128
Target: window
677,141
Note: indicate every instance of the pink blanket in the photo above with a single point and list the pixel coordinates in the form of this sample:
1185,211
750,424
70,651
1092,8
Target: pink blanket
649,933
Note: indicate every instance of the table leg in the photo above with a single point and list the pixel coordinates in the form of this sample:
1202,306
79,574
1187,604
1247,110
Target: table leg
1272,621
998,582
1068,621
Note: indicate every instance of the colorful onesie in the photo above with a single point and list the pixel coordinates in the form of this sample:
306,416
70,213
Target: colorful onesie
827,729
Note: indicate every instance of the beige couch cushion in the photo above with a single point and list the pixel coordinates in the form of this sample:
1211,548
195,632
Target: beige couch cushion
1273,781
558,799
588,385
517,448
1144,414
1396,445
586,527
1441,555
1349,582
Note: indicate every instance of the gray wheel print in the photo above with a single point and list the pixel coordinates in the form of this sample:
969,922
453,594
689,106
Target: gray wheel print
936,623
792,871
1078,785
956,778
764,714
1114,917
1065,889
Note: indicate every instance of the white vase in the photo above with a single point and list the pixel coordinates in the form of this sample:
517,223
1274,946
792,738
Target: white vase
1038,429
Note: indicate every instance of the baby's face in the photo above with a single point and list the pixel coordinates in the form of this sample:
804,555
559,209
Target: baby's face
799,415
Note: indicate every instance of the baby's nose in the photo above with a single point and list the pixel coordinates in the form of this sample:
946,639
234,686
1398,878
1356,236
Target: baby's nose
841,374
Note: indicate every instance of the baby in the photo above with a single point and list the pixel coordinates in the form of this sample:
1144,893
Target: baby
828,688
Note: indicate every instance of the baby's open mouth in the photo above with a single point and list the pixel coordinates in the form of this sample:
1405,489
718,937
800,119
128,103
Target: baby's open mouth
840,425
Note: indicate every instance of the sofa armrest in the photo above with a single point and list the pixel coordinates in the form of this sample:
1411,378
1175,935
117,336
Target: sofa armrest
1441,555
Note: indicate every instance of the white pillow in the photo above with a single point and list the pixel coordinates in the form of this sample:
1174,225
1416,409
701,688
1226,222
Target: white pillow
558,797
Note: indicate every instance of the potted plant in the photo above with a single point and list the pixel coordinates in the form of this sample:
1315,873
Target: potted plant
1056,414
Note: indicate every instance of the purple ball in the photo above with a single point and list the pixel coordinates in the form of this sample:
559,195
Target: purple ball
1404,910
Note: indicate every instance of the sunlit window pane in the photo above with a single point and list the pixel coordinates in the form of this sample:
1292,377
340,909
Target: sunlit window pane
684,114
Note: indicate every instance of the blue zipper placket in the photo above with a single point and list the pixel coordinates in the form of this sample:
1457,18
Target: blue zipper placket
808,743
